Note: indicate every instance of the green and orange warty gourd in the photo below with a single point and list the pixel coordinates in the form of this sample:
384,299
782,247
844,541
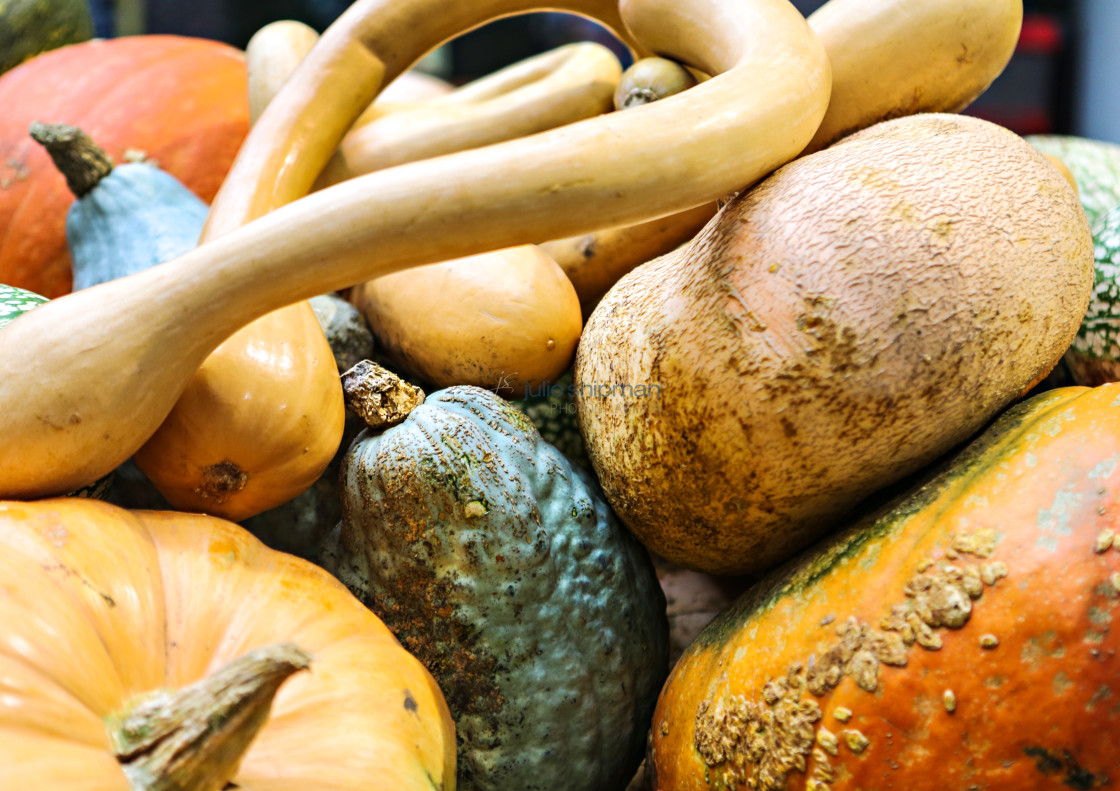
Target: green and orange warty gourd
179,101
962,636
107,615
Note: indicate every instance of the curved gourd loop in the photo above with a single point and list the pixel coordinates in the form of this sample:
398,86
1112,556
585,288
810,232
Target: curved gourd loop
561,86
72,411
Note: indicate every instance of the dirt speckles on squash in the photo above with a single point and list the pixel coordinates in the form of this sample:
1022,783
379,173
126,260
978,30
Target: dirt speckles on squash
856,741
842,714
1104,540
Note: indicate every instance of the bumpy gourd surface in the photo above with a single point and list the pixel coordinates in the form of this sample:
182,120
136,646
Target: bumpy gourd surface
500,566
16,301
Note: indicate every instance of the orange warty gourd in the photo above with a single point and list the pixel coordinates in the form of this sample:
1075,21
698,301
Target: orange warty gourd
962,636
181,101
103,606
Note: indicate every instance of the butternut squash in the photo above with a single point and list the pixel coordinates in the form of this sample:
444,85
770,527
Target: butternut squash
261,419
72,411
888,59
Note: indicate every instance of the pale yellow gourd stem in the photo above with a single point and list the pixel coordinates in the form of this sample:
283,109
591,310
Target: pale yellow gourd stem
85,379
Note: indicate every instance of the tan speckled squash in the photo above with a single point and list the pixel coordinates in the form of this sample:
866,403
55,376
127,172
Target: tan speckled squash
856,315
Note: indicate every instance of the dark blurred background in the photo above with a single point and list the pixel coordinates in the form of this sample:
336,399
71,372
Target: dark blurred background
1060,80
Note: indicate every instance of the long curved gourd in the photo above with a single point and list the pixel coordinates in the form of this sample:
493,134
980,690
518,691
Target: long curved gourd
888,59
557,87
72,411
515,319
262,417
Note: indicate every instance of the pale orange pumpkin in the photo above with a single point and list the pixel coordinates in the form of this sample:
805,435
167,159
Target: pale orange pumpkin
100,606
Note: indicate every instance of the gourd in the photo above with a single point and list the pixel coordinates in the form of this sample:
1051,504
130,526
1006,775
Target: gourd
262,417
300,525
958,635
498,564
72,422
17,301
515,315
888,59
128,93
1094,356
125,218
110,615
29,27
840,325
1095,165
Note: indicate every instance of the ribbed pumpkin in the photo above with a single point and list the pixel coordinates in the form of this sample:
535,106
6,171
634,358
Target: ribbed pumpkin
181,101
963,636
101,607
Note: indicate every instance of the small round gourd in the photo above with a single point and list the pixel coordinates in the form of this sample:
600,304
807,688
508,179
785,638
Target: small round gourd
497,562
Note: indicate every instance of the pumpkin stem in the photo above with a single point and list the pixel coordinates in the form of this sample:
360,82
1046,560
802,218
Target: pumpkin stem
77,157
378,396
192,739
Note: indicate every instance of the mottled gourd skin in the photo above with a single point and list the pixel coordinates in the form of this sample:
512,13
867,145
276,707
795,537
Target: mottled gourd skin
14,302
845,322
1094,356
962,636
498,564
136,217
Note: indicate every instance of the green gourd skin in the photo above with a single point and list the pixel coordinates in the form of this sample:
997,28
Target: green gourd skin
14,302
1094,356
29,27
136,217
498,563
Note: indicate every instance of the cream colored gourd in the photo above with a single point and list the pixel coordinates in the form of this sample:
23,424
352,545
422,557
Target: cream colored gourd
261,419
888,59
71,411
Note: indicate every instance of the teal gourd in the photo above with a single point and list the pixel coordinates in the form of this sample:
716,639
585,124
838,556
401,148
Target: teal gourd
125,218
498,563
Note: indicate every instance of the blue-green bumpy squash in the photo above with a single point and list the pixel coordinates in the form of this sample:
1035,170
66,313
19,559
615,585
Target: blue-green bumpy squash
501,567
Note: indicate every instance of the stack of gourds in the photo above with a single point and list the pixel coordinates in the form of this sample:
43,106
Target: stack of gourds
790,283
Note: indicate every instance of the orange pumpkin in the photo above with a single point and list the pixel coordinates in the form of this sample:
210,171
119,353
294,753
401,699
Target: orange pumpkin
964,636
181,101
99,607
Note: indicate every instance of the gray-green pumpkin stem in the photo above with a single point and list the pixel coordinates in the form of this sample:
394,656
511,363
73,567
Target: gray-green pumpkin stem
193,739
77,157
